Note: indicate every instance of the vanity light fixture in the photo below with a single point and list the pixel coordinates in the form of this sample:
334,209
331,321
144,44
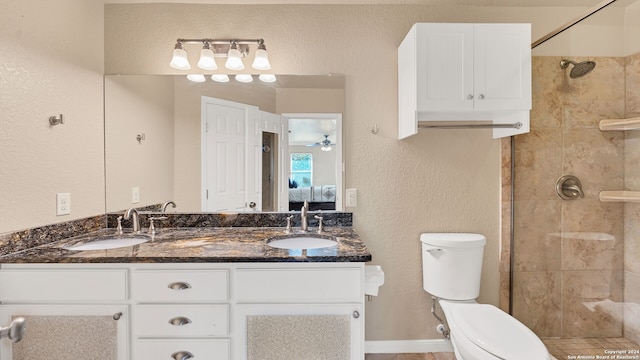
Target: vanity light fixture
222,78
261,59
269,78
196,77
179,60
233,49
244,78
234,58
207,61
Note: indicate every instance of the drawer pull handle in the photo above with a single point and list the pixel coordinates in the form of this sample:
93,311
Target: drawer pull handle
182,355
180,321
179,286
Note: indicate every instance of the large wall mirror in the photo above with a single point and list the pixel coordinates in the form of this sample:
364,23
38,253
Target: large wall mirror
155,142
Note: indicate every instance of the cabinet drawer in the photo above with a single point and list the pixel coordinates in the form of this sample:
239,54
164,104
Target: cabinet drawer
180,320
41,285
180,285
299,285
168,349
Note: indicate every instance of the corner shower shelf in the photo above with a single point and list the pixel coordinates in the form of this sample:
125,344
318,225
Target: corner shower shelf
619,196
620,124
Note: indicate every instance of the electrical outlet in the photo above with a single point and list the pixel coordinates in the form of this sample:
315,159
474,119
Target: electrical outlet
63,204
352,197
135,195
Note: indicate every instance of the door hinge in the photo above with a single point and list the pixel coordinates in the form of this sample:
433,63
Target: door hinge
207,195
206,127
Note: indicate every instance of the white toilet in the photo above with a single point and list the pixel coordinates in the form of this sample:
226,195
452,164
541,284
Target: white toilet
451,264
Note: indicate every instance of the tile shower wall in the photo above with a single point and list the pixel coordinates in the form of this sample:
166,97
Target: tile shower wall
631,310
568,279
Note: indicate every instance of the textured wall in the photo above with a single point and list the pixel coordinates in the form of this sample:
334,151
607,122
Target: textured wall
51,63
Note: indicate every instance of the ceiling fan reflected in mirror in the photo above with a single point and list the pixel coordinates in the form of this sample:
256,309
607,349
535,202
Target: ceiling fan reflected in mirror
326,144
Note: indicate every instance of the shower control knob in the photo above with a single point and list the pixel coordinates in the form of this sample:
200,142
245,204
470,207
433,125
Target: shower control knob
470,97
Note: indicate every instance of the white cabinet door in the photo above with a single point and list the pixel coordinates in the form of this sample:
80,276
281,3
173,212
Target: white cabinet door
60,332
328,331
502,67
474,67
445,66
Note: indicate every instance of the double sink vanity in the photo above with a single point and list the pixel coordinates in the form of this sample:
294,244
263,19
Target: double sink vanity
203,286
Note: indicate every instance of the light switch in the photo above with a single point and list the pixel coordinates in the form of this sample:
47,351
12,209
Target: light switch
135,195
352,197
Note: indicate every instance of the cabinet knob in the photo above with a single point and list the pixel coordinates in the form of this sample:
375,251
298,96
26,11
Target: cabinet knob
182,355
179,286
180,321
356,314
481,96
470,97
252,205
117,316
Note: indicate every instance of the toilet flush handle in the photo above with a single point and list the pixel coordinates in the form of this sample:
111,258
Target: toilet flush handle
433,251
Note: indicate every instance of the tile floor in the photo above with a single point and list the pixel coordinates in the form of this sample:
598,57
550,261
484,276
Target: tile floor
564,349
561,349
427,356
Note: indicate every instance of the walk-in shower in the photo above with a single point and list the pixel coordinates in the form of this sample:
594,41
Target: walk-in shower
579,69
574,278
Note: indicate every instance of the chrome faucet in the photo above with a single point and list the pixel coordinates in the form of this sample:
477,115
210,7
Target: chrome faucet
165,205
304,223
135,219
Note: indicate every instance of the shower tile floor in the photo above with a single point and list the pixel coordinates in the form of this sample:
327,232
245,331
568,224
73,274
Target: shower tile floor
565,349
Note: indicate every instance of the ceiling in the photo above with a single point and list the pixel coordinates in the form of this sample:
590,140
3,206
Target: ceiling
500,3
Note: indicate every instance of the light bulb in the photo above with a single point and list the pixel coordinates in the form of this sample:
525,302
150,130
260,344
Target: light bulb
196,77
269,78
234,59
245,78
207,61
326,148
179,60
220,78
261,59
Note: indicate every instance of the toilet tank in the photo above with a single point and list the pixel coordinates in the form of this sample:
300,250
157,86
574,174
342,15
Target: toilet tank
452,264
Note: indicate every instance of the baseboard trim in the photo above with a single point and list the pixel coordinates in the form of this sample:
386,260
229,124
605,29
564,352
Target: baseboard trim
407,346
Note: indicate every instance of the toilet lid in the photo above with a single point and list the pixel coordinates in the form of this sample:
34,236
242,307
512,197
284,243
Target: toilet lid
497,332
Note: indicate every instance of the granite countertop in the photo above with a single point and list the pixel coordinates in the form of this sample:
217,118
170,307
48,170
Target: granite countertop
199,245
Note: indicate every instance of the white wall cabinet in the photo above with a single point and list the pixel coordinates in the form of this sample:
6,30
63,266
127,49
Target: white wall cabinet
464,72
166,311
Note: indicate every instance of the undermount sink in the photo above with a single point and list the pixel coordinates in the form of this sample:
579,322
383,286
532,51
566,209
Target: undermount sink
109,242
302,241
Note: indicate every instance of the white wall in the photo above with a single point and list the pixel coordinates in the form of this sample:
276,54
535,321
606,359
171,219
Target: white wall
141,104
51,62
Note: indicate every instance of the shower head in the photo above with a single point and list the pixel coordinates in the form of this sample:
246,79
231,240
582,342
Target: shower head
579,69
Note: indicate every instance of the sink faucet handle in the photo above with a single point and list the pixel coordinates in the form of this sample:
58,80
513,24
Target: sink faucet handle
320,224
119,229
289,219
152,228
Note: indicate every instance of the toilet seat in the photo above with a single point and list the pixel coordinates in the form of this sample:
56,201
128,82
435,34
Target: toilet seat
496,332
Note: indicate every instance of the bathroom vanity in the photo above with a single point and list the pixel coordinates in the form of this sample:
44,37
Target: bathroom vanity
207,293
